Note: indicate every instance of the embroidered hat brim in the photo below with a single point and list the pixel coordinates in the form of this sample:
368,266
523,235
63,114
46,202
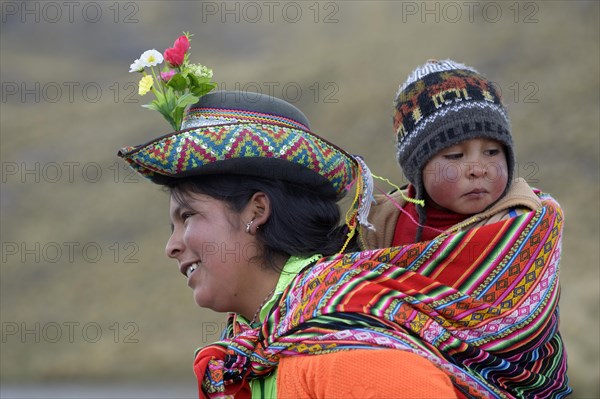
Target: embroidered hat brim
250,135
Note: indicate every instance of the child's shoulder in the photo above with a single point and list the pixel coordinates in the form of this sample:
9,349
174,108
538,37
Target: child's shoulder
519,196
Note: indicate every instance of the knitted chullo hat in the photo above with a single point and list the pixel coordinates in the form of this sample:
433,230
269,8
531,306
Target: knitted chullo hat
443,103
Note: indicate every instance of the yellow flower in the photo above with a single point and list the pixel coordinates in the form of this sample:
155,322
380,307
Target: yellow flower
145,85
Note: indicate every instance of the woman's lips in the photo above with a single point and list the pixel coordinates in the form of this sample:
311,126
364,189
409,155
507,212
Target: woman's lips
188,268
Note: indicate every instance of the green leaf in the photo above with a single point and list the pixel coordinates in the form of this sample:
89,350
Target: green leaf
152,106
170,98
159,97
202,89
196,80
164,110
178,117
187,99
177,82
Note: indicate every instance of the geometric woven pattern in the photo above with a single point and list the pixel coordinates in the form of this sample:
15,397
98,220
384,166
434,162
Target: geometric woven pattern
236,115
181,152
480,304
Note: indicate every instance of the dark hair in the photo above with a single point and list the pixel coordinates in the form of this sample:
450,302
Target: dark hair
304,220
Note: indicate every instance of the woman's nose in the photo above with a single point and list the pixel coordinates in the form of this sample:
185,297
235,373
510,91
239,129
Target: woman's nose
174,246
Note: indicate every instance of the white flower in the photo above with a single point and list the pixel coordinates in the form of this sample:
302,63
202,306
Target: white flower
151,58
136,66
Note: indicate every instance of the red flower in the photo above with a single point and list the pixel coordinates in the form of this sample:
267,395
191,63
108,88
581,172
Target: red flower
174,56
182,43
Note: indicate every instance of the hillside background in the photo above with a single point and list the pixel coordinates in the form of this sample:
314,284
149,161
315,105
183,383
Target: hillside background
87,295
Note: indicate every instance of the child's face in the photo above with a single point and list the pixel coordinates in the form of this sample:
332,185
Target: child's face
467,177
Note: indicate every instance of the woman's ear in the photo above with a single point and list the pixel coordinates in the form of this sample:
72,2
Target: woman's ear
259,210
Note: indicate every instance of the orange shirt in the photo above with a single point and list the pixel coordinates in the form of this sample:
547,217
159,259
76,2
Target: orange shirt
362,373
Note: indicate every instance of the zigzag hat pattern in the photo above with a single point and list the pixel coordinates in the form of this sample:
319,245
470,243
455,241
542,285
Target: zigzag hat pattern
183,153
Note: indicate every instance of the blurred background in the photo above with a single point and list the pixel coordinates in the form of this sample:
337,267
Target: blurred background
90,305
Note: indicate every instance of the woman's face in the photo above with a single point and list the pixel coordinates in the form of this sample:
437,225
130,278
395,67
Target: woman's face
213,250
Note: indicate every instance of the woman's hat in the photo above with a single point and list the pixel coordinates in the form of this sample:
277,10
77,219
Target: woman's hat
244,133
252,134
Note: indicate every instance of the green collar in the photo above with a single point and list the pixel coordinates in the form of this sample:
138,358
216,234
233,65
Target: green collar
290,270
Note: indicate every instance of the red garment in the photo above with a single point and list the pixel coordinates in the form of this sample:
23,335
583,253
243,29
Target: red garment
436,222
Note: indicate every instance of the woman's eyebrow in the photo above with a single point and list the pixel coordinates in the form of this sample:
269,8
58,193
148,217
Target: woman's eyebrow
175,212
174,215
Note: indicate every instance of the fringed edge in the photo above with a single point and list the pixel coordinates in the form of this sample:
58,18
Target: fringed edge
358,212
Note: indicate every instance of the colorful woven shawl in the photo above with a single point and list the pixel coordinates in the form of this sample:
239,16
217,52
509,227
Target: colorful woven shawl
480,304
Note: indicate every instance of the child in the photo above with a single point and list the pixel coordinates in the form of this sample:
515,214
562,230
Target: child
455,147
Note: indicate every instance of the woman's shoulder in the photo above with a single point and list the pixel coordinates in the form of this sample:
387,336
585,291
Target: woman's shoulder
362,373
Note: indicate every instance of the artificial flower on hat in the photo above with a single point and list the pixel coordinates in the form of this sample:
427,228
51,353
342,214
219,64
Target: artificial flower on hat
234,132
179,83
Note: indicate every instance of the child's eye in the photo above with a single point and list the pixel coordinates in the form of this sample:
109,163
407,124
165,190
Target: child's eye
492,152
454,155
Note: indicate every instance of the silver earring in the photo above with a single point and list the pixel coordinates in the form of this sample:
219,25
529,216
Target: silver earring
248,226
